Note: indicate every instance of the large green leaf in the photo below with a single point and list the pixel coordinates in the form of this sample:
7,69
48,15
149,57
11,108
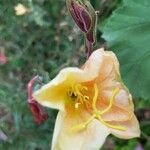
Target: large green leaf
127,33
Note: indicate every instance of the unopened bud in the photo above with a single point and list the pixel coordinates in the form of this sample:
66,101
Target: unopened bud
79,14
83,14
85,17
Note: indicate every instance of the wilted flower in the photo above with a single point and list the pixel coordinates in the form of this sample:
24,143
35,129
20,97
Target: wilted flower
20,9
92,101
37,110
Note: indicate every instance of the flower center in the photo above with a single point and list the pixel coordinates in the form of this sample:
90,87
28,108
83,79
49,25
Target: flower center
77,94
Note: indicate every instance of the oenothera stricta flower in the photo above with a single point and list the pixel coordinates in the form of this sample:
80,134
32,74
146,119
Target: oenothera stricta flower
92,101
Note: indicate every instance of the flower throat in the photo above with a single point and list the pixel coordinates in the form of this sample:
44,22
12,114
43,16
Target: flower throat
78,94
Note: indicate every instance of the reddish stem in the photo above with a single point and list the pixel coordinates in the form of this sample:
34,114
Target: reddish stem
89,48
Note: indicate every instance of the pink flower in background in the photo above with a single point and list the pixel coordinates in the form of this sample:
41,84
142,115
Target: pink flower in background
139,147
3,58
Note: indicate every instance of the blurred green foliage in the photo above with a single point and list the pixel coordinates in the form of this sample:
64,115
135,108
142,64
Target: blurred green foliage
42,41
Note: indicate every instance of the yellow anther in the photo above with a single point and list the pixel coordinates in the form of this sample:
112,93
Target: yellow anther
84,88
75,92
77,105
86,98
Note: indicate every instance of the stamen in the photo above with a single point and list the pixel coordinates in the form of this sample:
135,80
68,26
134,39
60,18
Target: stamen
98,113
75,92
86,98
117,127
115,92
84,88
95,98
82,125
69,92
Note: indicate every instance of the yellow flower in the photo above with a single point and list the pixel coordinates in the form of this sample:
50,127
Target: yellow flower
92,101
20,9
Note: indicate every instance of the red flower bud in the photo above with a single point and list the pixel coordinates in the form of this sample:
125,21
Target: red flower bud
85,17
37,110
80,15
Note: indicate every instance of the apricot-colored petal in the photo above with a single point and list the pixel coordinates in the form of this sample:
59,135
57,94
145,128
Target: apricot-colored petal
122,106
132,128
93,65
109,70
108,80
116,114
124,99
51,95
90,138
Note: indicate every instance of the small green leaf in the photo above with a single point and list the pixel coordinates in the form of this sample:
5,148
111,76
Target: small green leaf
127,33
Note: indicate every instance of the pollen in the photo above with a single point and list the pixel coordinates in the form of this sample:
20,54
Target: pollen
77,95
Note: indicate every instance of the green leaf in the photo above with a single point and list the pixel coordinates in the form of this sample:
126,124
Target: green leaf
127,33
